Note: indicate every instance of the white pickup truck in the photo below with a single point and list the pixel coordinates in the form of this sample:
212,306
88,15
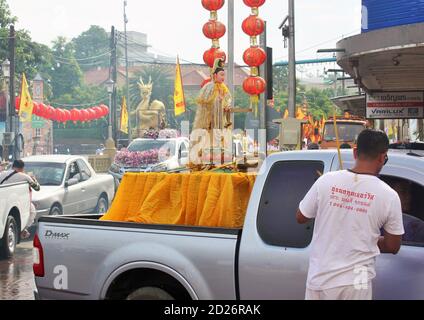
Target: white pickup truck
84,258
15,204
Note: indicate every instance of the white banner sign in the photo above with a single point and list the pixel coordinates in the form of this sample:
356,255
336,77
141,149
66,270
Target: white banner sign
395,105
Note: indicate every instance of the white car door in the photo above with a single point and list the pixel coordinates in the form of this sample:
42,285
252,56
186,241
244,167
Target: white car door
90,190
74,200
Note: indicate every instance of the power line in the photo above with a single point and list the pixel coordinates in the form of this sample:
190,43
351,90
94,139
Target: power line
80,104
84,59
319,44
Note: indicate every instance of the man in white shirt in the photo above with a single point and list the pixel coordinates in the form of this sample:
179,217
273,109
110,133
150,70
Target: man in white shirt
17,175
350,209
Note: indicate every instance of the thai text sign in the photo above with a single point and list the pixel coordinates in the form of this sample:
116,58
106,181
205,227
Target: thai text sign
395,105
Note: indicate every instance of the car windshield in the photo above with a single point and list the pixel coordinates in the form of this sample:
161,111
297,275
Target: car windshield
149,145
47,174
348,132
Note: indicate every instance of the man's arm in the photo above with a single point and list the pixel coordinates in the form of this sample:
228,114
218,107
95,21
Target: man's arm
301,219
390,244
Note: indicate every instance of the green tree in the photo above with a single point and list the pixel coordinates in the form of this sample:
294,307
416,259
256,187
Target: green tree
92,48
66,75
30,56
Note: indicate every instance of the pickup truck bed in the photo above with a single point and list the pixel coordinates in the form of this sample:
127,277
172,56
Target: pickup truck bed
75,233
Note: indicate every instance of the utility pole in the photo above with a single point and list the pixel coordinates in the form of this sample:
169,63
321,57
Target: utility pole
292,61
13,120
127,74
114,76
231,54
263,72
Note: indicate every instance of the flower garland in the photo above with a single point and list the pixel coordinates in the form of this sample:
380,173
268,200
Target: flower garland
128,159
255,56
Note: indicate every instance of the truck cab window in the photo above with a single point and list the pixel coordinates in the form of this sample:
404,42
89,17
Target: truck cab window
286,186
411,196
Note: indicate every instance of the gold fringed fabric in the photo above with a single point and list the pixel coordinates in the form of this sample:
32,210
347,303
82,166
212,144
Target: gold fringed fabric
197,199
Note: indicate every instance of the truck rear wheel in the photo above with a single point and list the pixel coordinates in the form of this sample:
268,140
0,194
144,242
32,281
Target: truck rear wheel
150,293
10,239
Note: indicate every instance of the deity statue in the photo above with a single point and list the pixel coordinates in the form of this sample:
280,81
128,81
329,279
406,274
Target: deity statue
149,115
214,102
213,116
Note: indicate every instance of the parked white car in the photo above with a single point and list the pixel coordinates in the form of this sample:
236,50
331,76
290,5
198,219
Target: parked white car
69,186
14,215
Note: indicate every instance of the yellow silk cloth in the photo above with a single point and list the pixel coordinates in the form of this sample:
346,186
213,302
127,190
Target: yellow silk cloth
196,199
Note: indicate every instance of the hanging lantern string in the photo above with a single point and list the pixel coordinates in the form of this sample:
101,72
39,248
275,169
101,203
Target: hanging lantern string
214,30
255,56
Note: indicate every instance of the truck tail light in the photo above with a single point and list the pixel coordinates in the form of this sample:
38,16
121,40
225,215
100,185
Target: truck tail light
38,258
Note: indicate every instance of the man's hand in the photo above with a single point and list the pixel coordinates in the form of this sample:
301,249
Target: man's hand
301,219
390,243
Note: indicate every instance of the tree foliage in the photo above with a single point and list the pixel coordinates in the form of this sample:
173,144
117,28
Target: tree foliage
92,48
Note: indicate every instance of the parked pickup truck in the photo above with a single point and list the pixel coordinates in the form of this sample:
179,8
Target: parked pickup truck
15,204
83,258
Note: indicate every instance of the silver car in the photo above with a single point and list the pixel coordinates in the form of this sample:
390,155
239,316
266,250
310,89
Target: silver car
69,186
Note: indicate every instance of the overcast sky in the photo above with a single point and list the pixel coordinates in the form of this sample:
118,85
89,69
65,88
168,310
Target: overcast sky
175,27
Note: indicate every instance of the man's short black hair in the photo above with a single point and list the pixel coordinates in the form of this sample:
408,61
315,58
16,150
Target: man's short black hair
18,164
372,143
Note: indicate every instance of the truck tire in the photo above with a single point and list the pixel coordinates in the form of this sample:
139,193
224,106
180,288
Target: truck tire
150,293
10,239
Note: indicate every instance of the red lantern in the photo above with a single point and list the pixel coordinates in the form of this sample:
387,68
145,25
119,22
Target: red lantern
254,3
92,114
75,115
212,54
84,115
213,5
254,86
67,115
42,109
214,30
253,26
49,113
105,110
59,115
254,56
98,112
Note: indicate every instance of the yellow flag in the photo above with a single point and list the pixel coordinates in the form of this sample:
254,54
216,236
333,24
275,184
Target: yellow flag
124,116
300,115
26,104
286,114
179,98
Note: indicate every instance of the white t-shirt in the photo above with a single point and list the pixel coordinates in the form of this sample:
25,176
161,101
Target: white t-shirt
350,211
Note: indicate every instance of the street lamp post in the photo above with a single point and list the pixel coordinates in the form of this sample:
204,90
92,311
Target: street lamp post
6,75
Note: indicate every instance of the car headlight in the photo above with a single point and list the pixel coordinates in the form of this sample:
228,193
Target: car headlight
115,168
